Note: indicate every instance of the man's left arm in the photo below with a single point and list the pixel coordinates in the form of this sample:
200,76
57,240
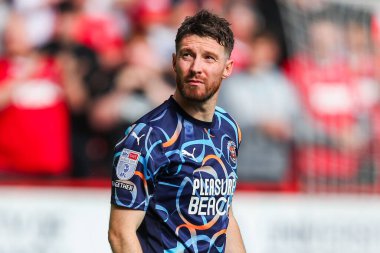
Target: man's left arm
234,242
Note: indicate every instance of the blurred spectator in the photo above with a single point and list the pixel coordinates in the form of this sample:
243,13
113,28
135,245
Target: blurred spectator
139,87
100,31
362,63
332,138
39,16
245,22
34,124
360,55
160,35
375,109
87,76
146,13
4,11
265,106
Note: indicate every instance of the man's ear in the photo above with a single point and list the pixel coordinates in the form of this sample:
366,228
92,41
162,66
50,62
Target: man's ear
228,68
174,61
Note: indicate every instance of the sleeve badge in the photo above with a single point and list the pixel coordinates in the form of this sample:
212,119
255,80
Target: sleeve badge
127,164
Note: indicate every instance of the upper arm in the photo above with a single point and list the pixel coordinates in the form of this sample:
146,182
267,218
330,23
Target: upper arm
122,229
138,158
234,241
232,222
123,220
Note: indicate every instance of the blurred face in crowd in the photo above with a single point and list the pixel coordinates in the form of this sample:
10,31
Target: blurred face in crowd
325,39
357,37
264,53
15,36
200,65
244,21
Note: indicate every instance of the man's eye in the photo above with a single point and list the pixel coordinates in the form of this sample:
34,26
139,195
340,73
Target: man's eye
210,58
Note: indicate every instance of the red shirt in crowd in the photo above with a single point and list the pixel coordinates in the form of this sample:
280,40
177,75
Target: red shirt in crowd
34,126
328,95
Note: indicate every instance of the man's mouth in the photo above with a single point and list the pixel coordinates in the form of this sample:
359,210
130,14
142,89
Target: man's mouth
194,82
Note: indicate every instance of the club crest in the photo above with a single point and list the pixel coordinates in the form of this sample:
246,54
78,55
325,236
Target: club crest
127,164
231,147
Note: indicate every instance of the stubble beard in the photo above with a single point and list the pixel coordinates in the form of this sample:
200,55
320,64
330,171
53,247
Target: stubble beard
193,94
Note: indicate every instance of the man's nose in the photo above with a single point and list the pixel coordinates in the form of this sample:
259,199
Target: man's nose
196,66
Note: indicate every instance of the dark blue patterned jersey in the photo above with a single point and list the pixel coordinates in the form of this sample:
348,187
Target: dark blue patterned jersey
182,172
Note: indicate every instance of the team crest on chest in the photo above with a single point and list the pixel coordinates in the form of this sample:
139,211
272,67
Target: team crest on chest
127,164
231,147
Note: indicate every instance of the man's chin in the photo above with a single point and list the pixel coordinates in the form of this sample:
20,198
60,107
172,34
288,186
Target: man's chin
195,97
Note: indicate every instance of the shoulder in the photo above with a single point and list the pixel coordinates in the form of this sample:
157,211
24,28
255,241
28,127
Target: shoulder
152,125
219,111
164,120
228,122
155,115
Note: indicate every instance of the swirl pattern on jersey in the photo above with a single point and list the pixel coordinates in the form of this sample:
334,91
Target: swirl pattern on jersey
184,179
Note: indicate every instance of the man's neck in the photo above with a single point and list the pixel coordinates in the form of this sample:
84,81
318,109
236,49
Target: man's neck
203,111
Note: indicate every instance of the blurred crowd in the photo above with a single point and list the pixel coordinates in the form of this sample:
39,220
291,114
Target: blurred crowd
305,91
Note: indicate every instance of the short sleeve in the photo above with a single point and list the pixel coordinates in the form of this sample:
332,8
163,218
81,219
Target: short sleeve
138,158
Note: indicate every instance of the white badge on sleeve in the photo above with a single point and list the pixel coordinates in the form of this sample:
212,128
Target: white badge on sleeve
127,164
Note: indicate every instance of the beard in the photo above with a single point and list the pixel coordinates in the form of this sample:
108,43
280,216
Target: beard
197,94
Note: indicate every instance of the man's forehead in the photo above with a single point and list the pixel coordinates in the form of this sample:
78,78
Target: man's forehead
195,41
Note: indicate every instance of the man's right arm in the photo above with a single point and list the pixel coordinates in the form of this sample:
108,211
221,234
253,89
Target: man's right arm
122,230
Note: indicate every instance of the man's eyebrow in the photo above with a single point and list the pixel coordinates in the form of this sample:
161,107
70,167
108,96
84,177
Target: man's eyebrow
188,47
205,52
210,53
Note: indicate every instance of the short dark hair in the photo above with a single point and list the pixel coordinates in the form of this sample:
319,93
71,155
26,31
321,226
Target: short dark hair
207,24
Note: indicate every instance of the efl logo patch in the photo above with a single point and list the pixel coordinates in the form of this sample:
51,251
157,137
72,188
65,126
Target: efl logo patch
127,164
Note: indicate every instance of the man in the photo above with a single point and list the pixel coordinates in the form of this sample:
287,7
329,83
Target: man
175,170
